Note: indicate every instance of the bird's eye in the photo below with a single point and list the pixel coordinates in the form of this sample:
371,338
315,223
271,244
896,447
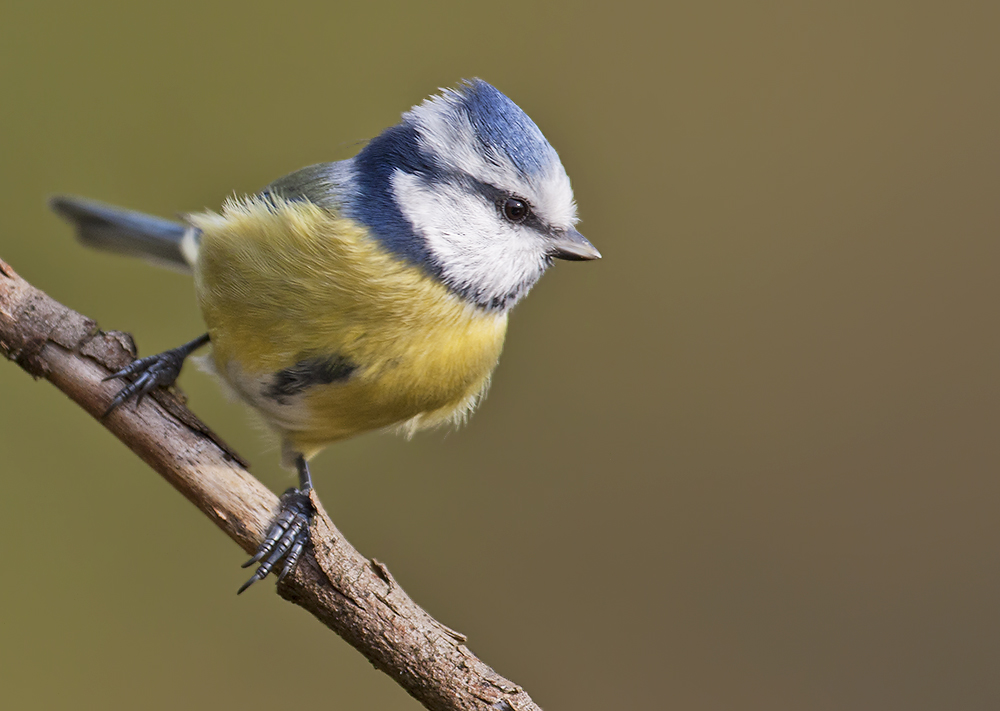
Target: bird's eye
515,209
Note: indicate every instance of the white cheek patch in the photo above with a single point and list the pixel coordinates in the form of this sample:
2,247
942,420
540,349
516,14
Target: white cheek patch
476,250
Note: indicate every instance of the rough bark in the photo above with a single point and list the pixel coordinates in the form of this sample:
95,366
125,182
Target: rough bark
354,596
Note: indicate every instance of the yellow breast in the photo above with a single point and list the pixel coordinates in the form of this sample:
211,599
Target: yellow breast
282,283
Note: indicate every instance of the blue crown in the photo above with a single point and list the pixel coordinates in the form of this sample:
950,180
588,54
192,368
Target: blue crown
501,126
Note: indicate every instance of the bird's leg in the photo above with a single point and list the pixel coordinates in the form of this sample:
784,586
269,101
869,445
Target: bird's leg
289,532
153,371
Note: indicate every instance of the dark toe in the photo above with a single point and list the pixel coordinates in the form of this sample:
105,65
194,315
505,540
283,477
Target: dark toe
286,538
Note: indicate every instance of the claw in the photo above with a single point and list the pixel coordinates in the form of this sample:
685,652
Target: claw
286,538
282,523
153,371
253,579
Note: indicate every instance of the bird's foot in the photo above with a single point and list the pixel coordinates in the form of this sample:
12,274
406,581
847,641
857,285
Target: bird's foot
286,538
151,372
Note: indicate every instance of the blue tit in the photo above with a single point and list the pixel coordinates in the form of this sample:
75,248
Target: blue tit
367,293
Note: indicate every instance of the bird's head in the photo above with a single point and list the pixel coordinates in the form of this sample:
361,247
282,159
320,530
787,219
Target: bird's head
467,187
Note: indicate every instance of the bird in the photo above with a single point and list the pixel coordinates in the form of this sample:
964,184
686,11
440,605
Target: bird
364,294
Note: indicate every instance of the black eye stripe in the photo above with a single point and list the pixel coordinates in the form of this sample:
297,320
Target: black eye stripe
496,196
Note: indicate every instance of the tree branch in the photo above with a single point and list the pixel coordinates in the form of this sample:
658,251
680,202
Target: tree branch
354,596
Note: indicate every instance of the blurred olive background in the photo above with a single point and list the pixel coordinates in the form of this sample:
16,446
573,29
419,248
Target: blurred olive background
749,460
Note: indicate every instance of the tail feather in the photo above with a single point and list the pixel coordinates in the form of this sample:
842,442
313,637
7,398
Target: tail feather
114,229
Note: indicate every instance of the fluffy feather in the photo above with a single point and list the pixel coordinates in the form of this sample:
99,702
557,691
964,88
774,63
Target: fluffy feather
283,281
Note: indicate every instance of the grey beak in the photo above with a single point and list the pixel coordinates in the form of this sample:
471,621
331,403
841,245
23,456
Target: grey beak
572,246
